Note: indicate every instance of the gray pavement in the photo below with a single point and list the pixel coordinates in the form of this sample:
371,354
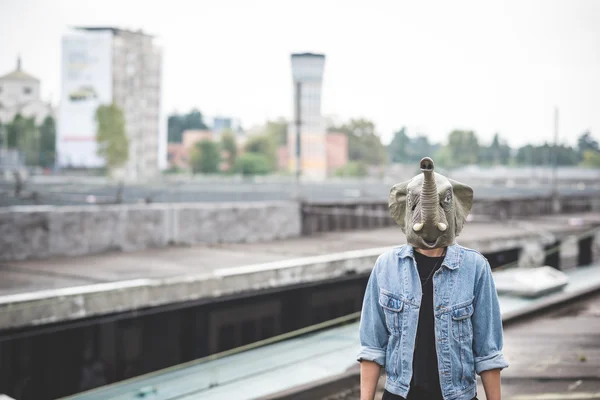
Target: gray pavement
28,276
554,356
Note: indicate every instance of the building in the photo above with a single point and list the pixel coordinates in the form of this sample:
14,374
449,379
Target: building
226,123
179,154
337,151
20,94
102,65
307,76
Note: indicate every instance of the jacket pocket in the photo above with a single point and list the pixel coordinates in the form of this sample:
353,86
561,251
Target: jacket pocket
392,305
462,329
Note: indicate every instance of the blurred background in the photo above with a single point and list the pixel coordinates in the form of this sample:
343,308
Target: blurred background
206,183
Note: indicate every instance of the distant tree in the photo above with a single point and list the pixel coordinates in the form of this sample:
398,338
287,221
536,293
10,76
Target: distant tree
263,145
420,147
497,153
177,124
277,130
205,157
462,149
591,158
113,145
399,147
194,120
252,164
566,155
544,155
175,128
48,142
229,145
364,144
353,169
586,142
23,135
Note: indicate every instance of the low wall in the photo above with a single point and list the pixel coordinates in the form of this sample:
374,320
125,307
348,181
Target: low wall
46,231
356,214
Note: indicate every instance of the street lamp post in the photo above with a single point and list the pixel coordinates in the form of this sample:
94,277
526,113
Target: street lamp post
298,123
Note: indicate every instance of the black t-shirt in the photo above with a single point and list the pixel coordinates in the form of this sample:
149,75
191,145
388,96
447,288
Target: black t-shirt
426,376
425,382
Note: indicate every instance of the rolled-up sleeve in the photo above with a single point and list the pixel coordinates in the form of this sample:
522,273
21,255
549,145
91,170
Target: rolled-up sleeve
373,331
487,324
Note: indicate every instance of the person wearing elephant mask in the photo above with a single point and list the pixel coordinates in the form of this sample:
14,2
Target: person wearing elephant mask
430,313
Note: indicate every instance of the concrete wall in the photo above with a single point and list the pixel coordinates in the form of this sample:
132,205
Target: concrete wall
46,231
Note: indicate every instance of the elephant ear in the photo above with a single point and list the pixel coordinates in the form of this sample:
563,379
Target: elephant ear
397,203
463,201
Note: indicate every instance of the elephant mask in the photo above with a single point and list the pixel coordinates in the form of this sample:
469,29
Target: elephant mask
430,208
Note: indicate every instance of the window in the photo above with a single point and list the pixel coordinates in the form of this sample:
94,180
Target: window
27,90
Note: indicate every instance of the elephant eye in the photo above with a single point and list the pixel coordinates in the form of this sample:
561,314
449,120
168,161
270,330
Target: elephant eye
448,197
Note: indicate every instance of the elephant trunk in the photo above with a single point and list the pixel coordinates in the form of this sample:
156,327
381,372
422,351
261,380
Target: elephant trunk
429,195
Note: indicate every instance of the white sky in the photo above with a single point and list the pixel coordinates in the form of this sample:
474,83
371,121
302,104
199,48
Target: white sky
490,66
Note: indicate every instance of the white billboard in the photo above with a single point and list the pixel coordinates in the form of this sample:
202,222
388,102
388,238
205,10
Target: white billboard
86,84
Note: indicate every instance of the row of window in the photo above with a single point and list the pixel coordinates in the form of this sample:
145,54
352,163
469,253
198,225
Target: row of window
26,90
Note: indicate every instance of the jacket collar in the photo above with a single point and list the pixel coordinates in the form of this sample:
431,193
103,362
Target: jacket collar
451,261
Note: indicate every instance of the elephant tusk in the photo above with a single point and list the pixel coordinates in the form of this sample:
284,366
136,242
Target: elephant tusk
442,226
418,226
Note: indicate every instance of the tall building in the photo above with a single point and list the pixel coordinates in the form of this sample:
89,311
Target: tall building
102,65
307,76
20,94
226,123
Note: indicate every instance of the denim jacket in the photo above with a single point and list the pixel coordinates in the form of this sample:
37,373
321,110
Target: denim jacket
468,324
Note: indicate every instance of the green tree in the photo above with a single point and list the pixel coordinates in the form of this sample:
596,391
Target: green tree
113,145
228,144
497,153
353,168
364,144
194,120
23,135
462,149
206,157
277,130
264,145
177,124
586,142
252,164
591,158
48,142
545,155
420,147
399,147
175,128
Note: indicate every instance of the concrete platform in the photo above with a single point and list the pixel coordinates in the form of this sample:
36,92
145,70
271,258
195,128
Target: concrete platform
560,347
42,291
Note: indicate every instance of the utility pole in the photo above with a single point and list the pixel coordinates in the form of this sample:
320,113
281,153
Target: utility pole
298,125
555,199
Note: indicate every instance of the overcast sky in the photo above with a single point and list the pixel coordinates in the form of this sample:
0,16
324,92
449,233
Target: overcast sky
490,66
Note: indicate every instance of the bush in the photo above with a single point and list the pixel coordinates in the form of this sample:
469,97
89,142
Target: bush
353,168
206,157
252,164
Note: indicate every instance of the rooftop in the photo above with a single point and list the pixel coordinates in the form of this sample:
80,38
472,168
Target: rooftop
548,353
308,55
18,74
114,30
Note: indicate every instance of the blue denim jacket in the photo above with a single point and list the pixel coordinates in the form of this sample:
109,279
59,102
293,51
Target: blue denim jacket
468,324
